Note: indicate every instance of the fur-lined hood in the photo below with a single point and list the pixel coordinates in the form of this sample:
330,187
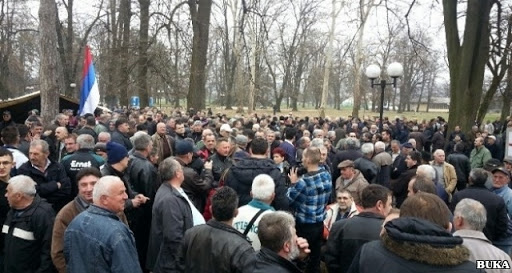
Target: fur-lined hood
422,241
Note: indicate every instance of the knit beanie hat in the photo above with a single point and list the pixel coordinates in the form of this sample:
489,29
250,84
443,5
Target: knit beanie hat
115,152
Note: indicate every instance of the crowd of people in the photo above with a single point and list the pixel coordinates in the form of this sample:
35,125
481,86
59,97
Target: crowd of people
192,191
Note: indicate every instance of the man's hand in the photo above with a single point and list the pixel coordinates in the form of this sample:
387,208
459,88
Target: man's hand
59,185
303,247
293,175
138,200
208,165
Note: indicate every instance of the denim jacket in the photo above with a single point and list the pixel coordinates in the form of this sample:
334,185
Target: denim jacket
97,241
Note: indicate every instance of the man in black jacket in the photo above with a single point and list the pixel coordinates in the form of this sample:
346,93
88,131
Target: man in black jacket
241,175
116,165
497,219
195,186
144,180
221,160
347,236
280,244
461,164
172,215
27,229
217,246
53,184
88,128
84,157
120,134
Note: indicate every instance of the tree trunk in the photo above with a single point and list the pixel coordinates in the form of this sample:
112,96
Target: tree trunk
467,61
359,60
328,60
505,109
507,97
49,74
200,11
142,78
124,72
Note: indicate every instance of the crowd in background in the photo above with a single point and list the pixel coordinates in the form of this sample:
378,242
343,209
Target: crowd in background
192,191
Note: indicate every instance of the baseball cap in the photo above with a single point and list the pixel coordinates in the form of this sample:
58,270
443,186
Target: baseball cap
226,127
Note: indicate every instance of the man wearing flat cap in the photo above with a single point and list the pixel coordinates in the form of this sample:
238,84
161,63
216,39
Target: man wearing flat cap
351,180
194,185
500,181
399,165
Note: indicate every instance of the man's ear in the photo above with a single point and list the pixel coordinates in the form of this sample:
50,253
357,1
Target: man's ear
450,226
287,248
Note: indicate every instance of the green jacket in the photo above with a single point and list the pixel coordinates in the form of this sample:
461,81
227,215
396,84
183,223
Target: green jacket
479,157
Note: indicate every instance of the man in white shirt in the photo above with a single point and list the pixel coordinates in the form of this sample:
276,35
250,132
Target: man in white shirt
262,192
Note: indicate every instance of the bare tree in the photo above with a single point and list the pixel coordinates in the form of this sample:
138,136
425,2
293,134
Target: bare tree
328,57
365,7
467,59
49,73
200,11
143,62
498,63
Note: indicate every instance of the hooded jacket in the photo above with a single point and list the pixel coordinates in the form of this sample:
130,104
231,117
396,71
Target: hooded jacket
240,178
414,245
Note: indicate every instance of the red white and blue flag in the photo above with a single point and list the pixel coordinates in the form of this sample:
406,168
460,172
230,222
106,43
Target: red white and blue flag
89,91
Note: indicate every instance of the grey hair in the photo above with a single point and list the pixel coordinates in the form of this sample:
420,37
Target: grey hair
394,141
60,116
351,144
331,134
380,146
23,184
317,142
316,132
42,143
274,229
85,141
438,151
367,148
473,213
168,169
478,176
104,133
263,187
103,187
141,141
427,170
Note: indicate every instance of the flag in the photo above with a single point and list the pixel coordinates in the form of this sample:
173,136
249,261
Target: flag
89,91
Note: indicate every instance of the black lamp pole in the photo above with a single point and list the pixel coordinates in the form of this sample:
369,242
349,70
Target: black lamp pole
382,85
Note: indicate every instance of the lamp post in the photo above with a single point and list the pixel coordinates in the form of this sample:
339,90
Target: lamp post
160,98
395,70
